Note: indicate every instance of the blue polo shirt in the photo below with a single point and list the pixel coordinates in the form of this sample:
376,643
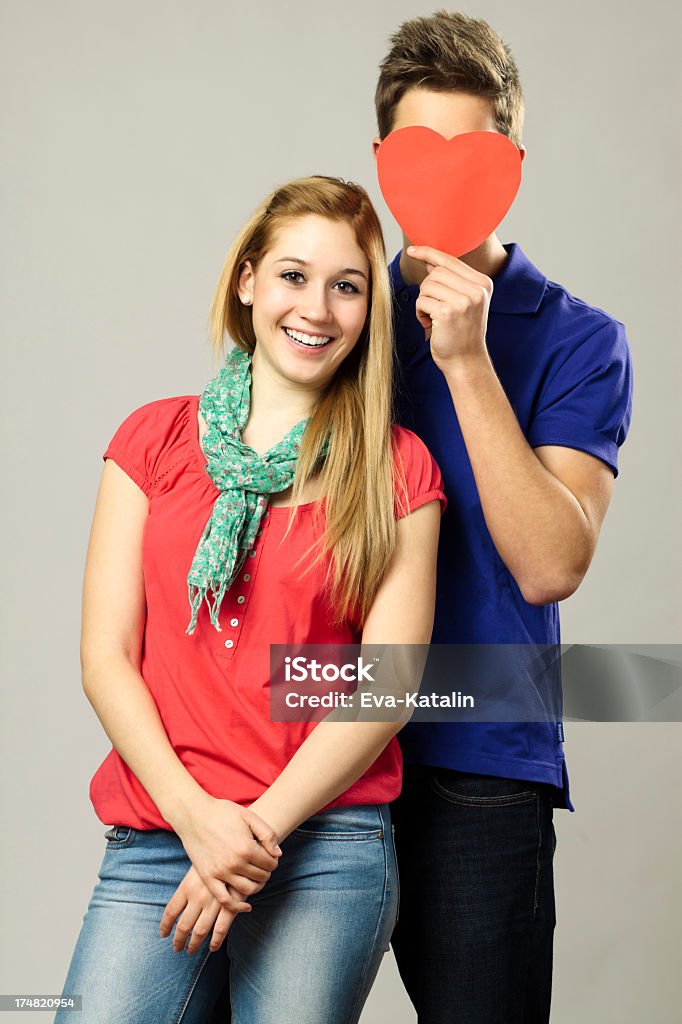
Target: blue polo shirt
566,370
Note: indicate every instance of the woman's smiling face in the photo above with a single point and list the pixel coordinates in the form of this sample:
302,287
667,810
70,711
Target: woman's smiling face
310,295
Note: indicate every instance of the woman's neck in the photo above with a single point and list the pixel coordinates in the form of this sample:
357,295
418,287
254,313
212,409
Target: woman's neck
276,405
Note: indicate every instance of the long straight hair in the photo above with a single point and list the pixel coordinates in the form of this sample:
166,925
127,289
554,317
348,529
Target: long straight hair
362,469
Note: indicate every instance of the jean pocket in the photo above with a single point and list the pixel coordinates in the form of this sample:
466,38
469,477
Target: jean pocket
358,837
348,824
471,790
119,836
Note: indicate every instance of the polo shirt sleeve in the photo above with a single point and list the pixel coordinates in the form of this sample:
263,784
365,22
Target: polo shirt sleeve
587,402
420,474
136,444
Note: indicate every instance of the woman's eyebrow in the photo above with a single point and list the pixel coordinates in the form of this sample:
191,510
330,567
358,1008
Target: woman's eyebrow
346,270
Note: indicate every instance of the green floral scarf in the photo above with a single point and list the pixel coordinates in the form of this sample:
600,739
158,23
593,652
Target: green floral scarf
244,478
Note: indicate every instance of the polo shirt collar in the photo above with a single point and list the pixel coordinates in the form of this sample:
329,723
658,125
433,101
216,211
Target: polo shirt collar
518,286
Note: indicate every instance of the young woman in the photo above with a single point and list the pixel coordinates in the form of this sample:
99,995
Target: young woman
290,510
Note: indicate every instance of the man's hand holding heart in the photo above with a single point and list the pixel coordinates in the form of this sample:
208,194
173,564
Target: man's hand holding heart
452,193
452,307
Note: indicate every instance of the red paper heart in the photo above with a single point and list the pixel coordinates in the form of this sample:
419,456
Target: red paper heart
449,194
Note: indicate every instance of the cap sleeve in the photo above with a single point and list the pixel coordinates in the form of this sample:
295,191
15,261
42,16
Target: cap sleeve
420,480
140,441
587,403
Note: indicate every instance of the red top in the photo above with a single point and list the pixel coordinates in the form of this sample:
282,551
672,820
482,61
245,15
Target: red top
211,688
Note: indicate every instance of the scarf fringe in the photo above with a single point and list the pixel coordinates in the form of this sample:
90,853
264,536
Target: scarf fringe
197,595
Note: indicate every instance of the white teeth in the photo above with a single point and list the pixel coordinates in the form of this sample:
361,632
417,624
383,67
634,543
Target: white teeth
306,339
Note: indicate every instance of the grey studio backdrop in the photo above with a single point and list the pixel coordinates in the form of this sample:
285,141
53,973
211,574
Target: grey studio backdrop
137,138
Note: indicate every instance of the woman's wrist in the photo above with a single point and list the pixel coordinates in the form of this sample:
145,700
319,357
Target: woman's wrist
268,810
184,801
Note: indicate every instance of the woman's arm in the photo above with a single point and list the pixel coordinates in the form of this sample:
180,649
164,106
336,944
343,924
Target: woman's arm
336,754
114,609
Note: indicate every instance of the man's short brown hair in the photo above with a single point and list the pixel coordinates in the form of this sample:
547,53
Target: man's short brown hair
450,52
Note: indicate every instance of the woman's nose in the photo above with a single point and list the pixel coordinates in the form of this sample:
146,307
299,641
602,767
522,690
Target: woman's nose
315,306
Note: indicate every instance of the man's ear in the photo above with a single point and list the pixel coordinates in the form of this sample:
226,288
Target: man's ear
522,151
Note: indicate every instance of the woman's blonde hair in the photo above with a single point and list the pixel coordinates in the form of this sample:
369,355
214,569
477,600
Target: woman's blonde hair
359,475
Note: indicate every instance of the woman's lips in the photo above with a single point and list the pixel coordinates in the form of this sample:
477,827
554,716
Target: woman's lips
301,347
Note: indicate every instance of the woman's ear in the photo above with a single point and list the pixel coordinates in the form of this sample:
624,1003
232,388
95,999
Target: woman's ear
245,283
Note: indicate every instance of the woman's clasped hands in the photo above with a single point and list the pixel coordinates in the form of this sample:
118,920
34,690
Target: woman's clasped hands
233,853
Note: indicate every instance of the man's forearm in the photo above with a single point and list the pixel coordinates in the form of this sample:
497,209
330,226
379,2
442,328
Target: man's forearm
539,528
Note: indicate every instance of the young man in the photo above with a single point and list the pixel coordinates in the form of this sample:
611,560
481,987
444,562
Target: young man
523,395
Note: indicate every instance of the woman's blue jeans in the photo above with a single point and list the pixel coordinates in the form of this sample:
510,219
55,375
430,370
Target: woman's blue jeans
307,953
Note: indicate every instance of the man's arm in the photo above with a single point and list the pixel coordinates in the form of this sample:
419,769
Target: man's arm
543,507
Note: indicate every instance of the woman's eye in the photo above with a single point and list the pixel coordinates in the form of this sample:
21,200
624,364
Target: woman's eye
296,277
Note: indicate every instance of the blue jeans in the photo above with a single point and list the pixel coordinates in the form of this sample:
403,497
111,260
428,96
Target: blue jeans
307,953
475,853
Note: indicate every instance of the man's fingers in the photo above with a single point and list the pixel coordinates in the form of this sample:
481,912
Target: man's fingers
435,258
427,254
481,289
438,258
427,313
457,298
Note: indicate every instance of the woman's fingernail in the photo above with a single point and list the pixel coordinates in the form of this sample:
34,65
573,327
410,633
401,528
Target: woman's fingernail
278,849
